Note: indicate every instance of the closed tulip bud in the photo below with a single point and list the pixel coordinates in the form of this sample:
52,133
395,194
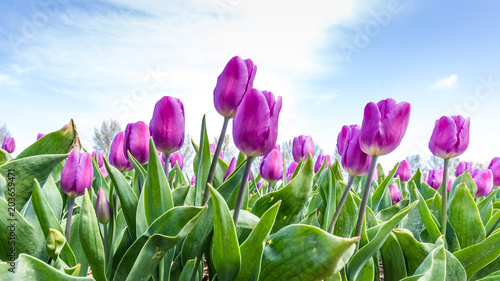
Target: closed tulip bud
176,157
290,170
255,125
167,125
116,156
271,167
450,184
193,180
375,177
395,193
302,146
435,178
354,160
450,137
495,169
484,181
212,150
77,174
100,162
136,141
39,136
384,125
230,168
232,84
8,144
259,184
102,210
404,171
320,160
462,166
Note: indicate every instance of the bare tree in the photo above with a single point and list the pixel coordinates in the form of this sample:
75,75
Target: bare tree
287,148
187,151
4,132
104,136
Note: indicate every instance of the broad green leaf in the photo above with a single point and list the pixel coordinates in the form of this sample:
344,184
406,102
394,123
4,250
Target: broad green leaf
90,238
486,206
188,270
487,271
141,222
43,211
413,251
4,156
426,191
253,248
388,213
58,142
24,171
76,245
366,252
306,253
469,182
491,222
225,250
393,259
51,192
179,195
430,224
348,217
464,217
246,219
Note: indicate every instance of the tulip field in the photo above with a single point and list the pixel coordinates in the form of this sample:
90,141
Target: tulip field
67,213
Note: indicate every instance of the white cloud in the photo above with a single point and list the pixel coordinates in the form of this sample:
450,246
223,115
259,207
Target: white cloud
446,83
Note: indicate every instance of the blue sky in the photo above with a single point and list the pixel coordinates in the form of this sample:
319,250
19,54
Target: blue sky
91,60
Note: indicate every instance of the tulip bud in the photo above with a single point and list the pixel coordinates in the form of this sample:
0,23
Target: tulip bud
259,184
176,157
462,166
167,125
77,174
450,184
384,125
116,156
8,144
290,170
484,181
193,180
100,162
39,136
302,146
404,171
354,160
271,167
136,141
232,84
212,150
255,125
450,137
495,169
435,178
102,210
320,160
230,168
395,193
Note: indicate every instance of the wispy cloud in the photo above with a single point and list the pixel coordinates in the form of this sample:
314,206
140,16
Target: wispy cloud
446,83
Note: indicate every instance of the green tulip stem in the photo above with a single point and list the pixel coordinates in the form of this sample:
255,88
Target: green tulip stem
70,214
366,194
139,184
241,192
211,173
106,251
493,228
271,186
341,204
444,198
167,164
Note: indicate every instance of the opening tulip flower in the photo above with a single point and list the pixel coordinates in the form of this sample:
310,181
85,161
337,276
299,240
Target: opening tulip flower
484,181
302,146
462,167
404,171
435,178
450,137
117,158
495,169
354,161
8,144
136,141
320,160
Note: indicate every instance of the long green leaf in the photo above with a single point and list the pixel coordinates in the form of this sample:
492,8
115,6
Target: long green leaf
43,211
425,214
393,259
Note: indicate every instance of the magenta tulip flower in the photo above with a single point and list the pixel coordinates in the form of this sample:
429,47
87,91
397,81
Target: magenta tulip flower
77,174
255,125
212,150
230,168
136,140
495,169
450,137
404,171
102,210
384,125
484,181
320,160
39,136
450,184
193,180
8,144
461,167
167,125
271,167
232,84
290,170
302,146
176,157
395,193
435,178
116,156
99,156
354,160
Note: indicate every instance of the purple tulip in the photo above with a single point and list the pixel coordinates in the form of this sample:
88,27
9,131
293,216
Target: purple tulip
404,171
384,125
302,146
232,84
450,184
39,136
259,184
354,160
167,125
450,137
271,167
320,160
230,168
212,150
99,156
193,180
461,167
8,144
136,140
435,178
495,169
116,156
102,210
77,174
290,170
176,157
484,181
395,193
255,125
